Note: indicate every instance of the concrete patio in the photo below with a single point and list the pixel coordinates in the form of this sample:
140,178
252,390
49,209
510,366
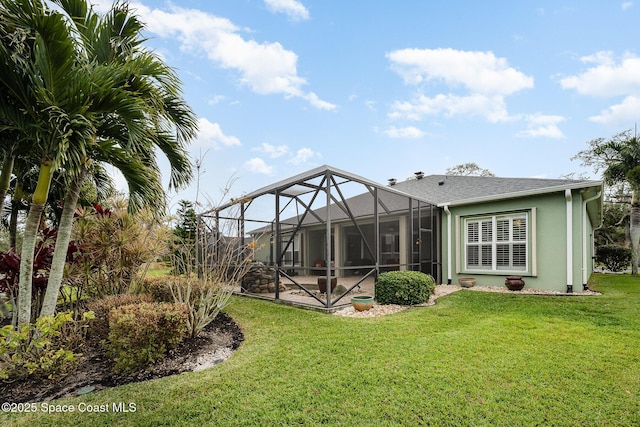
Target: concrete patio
296,296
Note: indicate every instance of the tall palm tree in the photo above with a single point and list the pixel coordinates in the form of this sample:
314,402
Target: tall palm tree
142,110
5,177
11,146
42,76
619,159
88,101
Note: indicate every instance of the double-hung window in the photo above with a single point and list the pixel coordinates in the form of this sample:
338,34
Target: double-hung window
497,243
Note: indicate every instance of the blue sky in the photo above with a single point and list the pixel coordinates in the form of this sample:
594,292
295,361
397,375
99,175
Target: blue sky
387,88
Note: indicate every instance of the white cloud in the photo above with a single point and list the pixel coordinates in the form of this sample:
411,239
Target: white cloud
608,78
626,5
216,99
620,114
371,105
476,82
102,6
272,150
603,57
211,135
257,165
302,156
318,103
409,132
266,68
479,72
541,125
491,108
295,10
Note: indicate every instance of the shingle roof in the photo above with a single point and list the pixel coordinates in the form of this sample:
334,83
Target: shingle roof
439,190
452,189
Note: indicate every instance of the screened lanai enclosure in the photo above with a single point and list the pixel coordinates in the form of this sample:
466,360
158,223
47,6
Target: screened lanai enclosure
318,237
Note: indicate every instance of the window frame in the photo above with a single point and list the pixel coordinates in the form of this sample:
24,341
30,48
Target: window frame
487,240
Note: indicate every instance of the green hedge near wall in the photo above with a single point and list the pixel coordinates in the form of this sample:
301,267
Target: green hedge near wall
404,287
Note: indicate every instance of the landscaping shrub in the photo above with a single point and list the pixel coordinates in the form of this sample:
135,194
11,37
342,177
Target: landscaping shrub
204,298
613,257
73,335
140,334
39,349
158,288
205,285
115,246
10,269
99,329
403,287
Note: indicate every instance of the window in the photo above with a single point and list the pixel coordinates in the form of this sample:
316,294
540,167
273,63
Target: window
497,243
291,256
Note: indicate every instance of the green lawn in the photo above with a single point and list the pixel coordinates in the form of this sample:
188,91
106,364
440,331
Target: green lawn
475,358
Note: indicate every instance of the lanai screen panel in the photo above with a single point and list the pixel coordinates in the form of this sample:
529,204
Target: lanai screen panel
292,226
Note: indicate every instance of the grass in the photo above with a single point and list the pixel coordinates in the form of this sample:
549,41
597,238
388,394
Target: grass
475,358
160,271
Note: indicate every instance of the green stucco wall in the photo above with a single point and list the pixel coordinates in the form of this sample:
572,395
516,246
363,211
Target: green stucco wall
549,253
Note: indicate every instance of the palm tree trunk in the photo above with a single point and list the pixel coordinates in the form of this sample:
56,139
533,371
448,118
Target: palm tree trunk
62,244
5,178
13,221
634,229
25,286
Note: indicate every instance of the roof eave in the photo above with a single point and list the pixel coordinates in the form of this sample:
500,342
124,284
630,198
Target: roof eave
525,193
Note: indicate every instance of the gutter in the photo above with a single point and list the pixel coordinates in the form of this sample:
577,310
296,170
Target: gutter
585,237
569,198
448,212
524,193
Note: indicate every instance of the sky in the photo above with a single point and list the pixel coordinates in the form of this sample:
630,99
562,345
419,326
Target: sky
384,88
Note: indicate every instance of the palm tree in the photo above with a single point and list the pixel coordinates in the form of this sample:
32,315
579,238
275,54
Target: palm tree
5,177
619,159
11,147
83,87
41,74
138,112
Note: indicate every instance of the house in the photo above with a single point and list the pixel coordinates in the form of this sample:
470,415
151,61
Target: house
540,229
329,222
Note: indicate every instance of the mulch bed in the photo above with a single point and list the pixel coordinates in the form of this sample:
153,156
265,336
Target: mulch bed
94,370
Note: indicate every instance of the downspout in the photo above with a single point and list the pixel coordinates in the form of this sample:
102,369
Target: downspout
585,237
569,198
449,275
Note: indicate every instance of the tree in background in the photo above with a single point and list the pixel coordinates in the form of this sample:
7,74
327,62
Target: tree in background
184,245
618,159
615,225
468,169
187,222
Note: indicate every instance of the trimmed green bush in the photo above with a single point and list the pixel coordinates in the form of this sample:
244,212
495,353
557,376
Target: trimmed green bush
158,287
140,334
613,257
404,287
99,327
